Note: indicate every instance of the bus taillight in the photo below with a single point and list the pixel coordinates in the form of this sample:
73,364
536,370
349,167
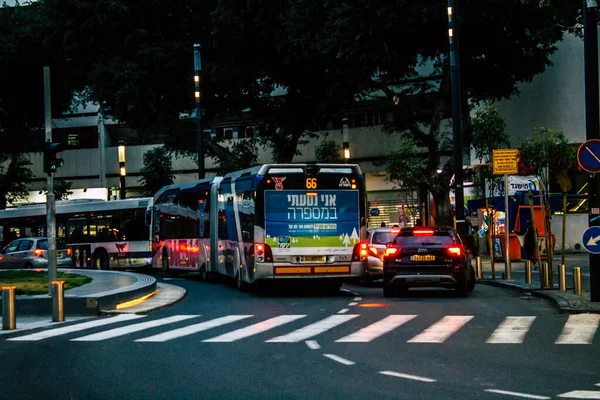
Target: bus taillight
360,252
262,252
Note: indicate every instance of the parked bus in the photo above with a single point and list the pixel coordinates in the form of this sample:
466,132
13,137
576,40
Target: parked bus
266,223
97,234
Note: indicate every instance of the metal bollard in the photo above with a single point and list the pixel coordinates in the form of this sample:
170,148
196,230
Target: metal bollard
577,281
9,321
58,292
546,275
563,278
528,273
479,268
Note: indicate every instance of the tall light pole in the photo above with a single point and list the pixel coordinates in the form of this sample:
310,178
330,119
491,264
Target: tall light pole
456,116
590,48
200,145
122,171
346,138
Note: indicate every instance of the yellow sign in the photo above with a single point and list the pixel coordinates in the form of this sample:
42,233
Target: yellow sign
505,161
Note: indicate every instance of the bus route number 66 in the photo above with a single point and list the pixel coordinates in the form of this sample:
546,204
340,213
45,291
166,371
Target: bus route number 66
311,183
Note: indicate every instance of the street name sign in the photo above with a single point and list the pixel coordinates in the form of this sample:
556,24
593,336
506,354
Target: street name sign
588,156
591,239
505,161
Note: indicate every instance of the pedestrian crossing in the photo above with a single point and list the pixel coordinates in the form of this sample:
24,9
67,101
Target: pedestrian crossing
345,328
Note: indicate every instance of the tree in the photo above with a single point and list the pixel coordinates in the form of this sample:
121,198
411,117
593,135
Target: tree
550,155
14,179
244,154
328,151
62,189
157,171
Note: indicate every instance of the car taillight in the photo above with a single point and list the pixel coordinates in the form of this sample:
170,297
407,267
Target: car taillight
38,252
373,251
262,252
390,251
69,251
455,251
360,252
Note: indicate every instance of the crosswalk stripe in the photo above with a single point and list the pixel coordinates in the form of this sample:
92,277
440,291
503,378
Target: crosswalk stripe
96,337
441,330
579,329
76,328
511,330
377,329
190,330
255,329
313,329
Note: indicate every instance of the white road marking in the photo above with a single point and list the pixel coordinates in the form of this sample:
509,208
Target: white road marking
377,329
442,330
96,337
76,328
511,330
339,359
517,394
597,384
255,329
190,330
407,376
312,344
27,326
357,298
313,329
343,311
579,329
353,303
581,394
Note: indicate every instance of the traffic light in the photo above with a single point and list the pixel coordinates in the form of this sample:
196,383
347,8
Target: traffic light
51,161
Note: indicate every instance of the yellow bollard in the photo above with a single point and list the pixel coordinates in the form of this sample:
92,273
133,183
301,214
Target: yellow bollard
479,268
546,275
9,321
528,273
58,314
563,278
577,281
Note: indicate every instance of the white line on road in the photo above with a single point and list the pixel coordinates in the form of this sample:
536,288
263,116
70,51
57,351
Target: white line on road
407,376
312,344
442,330
96,337
255,329
313,329
597,384
27,326
579,329
339,359
353,303
517,394
511,330
190,330
343,311
357,298
581,394
377,329
76,328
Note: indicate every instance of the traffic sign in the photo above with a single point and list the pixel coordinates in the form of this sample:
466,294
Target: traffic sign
588,156
505,161
591,239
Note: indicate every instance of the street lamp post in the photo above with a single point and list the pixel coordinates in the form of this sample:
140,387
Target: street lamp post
456,116
122,171
200,145
346,138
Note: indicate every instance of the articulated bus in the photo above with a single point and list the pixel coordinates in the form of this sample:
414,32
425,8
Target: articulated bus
96,233
267,223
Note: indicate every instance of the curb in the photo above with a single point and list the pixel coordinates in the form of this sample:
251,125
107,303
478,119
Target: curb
166,296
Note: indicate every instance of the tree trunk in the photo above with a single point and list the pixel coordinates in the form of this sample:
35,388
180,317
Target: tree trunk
441,198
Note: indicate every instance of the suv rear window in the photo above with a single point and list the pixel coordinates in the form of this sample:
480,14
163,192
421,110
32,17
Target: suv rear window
439,238
383,237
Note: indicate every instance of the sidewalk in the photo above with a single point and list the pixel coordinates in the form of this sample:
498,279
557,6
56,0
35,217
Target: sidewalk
565,301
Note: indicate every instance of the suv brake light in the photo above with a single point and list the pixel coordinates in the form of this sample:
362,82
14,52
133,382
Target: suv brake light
391,251
455,251
423,232
373,251
38,252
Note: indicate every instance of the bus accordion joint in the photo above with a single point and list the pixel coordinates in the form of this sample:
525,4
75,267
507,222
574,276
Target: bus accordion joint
262,252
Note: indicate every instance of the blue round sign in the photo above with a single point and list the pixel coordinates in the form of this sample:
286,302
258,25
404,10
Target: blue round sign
374,212
591,239
588,156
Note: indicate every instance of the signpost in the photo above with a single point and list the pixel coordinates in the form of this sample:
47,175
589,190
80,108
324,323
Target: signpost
504,162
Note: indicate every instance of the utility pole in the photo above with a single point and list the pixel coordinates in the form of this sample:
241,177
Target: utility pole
50,199
200,144
453,36
590,46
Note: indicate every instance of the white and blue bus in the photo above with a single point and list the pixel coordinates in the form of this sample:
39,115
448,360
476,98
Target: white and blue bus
267,223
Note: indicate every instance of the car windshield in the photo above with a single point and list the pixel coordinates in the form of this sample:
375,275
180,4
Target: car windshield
383,237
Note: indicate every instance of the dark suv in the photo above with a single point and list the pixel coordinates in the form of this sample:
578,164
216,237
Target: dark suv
427,256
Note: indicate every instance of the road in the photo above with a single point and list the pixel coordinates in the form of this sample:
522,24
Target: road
218,343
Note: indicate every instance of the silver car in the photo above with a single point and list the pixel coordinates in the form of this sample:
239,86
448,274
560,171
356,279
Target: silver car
377,238
31,252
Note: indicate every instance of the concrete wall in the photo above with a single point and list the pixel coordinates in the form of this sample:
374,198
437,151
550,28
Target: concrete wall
576,225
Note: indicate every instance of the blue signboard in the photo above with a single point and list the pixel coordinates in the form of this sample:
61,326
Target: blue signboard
299,221
374,212
591,239
588,155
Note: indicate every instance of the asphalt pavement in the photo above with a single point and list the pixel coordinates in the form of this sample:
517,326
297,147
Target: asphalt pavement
293,343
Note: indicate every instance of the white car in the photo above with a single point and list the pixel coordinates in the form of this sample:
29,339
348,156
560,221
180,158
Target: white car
31,252
377,238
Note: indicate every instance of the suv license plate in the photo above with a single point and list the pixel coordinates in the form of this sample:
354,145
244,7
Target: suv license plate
422,258
314,258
